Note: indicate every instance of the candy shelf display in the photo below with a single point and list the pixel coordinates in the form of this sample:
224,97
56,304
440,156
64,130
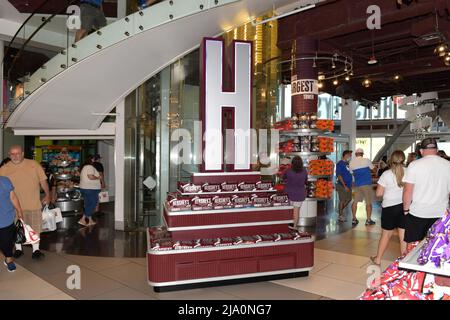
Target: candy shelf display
223,227
305,136
423,273
65,163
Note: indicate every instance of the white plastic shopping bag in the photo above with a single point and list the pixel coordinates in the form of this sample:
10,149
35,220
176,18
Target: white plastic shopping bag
103,197
31,236
58,215
48,220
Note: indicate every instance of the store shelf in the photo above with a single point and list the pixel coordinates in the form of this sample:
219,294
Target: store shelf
224,192
410,263
303,132
320,176
305,154
232,247
219,211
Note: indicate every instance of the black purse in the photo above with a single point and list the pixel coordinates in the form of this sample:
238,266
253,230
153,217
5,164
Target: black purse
19,237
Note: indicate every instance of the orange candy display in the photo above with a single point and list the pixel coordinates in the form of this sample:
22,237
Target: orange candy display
321,167
324,189
326,144
326,125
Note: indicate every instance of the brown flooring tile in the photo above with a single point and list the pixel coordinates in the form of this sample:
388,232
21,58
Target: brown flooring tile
140,261
131,275
59,296
92,284
97,263
266,291
27,288
52,263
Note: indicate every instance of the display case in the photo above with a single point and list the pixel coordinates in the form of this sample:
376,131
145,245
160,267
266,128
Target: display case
65,163
222,228
305,136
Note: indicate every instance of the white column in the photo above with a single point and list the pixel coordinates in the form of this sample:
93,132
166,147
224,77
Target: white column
119,151
2,47
348,120
121,9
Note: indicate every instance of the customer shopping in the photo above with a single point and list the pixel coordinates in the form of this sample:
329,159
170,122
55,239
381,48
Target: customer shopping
295,179
27,177
362,172
426,191
344,181
390,187
9,208
90,187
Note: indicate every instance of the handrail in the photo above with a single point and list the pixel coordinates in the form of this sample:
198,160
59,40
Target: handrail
19,54
23,24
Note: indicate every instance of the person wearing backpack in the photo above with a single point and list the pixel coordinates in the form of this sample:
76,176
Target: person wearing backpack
9,208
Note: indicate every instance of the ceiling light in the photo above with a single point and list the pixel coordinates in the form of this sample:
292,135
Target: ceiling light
447,58
335,82
367,83
396,77
314,64
321,77
333,65
372,60
347,78
441,50
320,85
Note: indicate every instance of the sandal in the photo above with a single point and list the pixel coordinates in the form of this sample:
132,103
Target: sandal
83,223
373,262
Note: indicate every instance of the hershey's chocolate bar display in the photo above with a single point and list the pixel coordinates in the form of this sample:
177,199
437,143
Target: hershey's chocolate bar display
211,187
241,201
183,245
279,200
264,186
176,202
260,200
247,186
222,202
189,187
229,187
201,203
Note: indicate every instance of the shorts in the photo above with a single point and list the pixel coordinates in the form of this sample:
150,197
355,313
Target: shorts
34,219
416,228
393,217
91,17
344,195
296,204
364,193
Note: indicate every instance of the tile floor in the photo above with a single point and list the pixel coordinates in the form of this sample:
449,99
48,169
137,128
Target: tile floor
340,272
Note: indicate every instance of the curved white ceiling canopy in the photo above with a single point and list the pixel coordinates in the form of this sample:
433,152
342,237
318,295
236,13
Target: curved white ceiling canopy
96,84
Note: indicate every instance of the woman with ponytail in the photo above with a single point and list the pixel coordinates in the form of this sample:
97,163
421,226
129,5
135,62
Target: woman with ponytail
390,187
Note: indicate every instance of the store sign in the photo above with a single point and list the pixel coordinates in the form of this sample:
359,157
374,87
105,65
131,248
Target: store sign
217,96
306,87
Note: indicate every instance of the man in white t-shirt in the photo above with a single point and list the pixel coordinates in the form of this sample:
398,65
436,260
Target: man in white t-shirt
426,191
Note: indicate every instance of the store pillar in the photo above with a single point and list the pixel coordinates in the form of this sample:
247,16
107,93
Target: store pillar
119,161
348,121
304,77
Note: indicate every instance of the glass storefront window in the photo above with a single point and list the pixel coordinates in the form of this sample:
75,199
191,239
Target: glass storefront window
362,113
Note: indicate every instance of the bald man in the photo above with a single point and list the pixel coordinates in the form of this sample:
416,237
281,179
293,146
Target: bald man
27,177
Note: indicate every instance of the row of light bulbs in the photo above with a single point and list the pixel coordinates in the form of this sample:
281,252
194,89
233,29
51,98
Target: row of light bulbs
366,82
443,52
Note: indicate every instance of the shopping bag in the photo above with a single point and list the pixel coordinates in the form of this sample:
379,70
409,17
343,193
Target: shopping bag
103,197
48,220
30,235
57,212
19,233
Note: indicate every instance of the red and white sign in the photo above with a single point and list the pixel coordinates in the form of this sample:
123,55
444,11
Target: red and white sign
216,97
304,86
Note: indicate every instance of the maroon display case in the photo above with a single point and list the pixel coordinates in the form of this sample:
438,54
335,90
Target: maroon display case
205,266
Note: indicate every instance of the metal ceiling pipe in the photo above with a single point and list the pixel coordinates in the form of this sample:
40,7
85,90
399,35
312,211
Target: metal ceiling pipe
304,78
